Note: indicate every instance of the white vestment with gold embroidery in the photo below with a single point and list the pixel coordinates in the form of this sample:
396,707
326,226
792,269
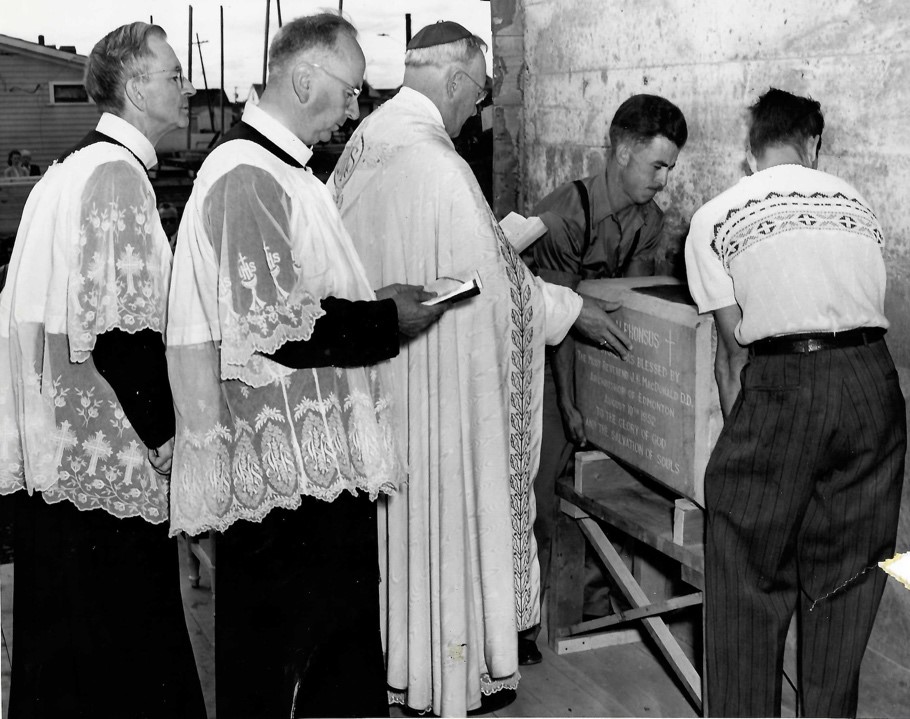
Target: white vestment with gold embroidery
459,564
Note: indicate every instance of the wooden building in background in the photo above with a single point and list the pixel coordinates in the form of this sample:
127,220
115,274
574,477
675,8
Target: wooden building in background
45,106
44,109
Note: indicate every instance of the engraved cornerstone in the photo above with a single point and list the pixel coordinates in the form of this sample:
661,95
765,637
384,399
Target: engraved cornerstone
659,410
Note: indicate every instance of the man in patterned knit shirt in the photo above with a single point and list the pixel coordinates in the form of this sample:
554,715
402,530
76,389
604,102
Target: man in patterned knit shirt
803,488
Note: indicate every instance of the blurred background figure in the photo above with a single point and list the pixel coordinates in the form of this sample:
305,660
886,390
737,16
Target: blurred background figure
30,169
170,221
14,166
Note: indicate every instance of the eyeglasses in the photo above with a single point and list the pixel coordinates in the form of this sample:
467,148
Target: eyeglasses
178,75
482,95
350,89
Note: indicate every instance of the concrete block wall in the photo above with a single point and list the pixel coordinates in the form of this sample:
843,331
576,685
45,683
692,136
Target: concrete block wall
508,76
566,65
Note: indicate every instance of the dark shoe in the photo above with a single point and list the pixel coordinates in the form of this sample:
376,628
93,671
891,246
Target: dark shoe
497,700
528,653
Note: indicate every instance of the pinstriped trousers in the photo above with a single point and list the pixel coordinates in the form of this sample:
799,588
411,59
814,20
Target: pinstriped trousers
802,495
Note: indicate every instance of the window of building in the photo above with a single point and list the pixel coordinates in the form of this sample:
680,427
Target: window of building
68,93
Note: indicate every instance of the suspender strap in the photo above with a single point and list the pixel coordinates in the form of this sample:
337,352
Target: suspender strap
586,208
621,266
621,269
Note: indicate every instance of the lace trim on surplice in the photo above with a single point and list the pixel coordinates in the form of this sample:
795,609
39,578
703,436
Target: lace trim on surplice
80,445
262,328
118,279
320,447
488,687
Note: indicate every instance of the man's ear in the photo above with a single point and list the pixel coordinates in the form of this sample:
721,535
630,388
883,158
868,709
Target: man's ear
751,161
812,145
623,153
134,94
302,81
452,82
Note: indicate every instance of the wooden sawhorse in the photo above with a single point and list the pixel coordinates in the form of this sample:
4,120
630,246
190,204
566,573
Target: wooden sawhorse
603,490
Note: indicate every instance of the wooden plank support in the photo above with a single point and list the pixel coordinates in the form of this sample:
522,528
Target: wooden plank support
655,626
592,468
688,523
630,615
614,638
566,591
571,510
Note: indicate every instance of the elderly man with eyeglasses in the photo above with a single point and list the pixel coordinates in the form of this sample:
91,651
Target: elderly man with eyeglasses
276,345
86,417
461,572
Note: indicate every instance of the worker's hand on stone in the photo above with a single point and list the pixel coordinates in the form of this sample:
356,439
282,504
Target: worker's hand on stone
595,323
162,456
574,424
413,316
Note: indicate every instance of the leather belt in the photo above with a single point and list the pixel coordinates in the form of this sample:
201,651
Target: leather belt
816,341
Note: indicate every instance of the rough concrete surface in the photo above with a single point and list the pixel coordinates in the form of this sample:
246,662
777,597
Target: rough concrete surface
570,63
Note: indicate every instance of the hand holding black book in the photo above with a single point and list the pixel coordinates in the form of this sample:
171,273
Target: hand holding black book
451,290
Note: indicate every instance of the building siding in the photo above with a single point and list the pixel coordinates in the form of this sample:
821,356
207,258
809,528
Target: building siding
28,119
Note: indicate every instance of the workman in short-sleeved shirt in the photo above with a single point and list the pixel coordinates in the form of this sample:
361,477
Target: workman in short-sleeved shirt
630,236
606,225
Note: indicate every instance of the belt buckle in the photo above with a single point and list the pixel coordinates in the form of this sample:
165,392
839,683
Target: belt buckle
815,345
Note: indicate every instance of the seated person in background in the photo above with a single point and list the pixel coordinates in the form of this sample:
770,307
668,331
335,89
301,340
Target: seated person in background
606,225
31,170
14,165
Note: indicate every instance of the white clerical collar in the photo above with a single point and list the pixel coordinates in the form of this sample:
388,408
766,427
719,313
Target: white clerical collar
422,101
129,136
259,119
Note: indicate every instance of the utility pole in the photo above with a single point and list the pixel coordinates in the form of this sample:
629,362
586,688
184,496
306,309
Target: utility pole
340,6
189,77
221,96
265,49
205,83
407,28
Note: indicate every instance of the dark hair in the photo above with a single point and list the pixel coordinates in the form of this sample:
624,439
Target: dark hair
781,118
9,157
306,33
118,56
644,117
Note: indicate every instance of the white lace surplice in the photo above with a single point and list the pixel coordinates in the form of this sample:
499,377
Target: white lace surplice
90,256
260,244
461,575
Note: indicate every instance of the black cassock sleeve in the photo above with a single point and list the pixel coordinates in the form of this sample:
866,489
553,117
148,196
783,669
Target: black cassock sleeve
135,367
350,334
